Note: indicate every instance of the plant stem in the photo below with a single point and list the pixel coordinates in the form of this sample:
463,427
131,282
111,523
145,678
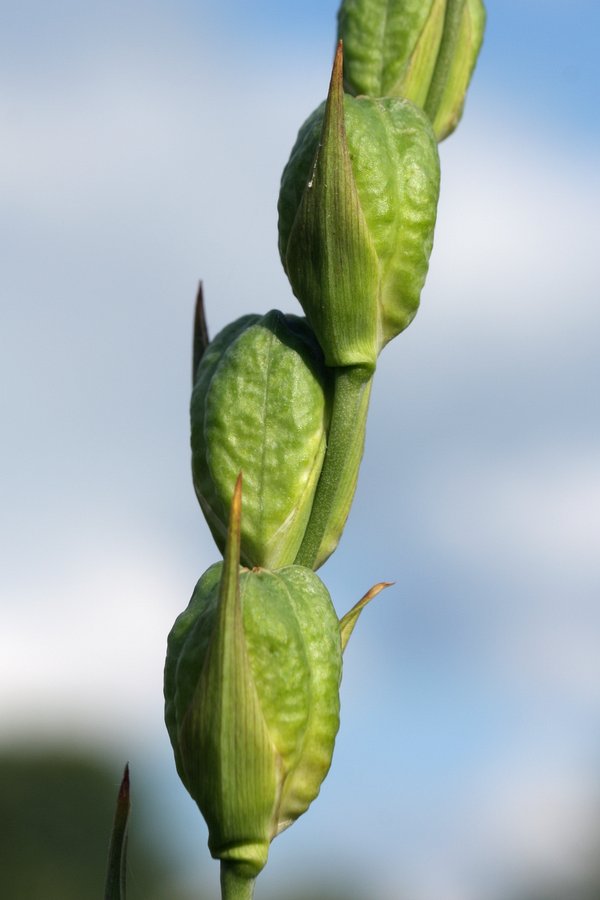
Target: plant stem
337,482
234,886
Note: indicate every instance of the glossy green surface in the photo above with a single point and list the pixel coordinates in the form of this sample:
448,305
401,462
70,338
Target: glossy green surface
424,50
259,406
394,192
380,37
290,659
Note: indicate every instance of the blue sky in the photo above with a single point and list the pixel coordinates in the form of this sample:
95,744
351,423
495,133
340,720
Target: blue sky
142,149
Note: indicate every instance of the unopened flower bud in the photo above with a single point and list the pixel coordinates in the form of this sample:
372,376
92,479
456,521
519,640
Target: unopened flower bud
252,700
357,210
425,51
259,405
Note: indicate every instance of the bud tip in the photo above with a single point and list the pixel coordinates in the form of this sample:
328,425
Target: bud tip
201,338
124,788
348,621
236,503
337,73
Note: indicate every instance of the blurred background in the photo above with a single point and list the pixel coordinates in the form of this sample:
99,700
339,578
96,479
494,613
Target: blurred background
142,145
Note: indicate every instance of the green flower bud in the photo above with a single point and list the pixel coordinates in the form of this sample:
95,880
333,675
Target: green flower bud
357,210
259,405
252,700
424,50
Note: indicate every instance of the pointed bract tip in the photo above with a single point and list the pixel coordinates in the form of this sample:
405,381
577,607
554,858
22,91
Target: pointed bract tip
348,621
377,588
236,503
116,873
337,73
201,338
125,784
233,543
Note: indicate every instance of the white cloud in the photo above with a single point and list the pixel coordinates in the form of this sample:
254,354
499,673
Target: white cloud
82,651
529,818
556,664
513,265
539,511
534,817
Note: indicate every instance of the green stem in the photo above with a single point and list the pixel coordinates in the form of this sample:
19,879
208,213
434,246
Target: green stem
234,886
445,57
337,482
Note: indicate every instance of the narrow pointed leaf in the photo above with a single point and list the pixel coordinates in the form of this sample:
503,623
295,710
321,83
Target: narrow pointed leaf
117,855
348,621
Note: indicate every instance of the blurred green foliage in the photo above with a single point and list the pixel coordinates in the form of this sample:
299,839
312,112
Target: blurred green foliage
585,890
56,814
57,810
